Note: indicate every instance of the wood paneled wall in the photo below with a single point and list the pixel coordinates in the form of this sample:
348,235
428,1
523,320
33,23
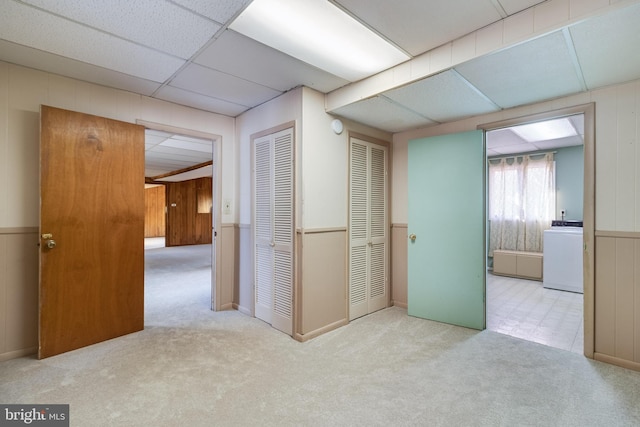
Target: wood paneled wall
155,201
617,295
189,219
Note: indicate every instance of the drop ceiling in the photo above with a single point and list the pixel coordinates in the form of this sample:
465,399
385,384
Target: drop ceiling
540,136
170,157
184,52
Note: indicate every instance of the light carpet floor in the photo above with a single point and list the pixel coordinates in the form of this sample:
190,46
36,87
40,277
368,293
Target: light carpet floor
194,367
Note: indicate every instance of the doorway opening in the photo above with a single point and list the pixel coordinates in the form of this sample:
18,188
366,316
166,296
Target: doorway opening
536,201
181,205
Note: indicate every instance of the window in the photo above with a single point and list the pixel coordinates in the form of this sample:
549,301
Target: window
521,201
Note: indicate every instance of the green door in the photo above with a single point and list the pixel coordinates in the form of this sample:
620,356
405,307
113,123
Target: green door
447,218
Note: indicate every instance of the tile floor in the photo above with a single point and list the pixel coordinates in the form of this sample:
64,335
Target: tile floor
524,309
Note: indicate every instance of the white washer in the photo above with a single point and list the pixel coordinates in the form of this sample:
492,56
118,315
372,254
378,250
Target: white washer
562,259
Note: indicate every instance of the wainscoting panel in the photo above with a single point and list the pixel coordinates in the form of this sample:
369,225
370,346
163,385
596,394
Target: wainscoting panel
617,295
228,235
243,291
323,282
18,292
399,246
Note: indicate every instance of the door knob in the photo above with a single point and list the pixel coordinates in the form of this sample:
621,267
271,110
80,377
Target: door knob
412,237
51,243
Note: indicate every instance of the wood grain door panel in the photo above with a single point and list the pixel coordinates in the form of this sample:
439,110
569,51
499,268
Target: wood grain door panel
92,203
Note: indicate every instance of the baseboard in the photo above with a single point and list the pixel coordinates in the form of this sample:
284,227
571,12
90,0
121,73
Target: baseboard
617,361
228,306
400,304
242,309
18,353
320,331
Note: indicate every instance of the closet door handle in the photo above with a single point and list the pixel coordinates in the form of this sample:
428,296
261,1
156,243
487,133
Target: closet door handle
412,237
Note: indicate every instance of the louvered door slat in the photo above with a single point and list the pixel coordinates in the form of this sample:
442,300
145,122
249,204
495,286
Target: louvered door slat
377,194
263,234
283,231
358,230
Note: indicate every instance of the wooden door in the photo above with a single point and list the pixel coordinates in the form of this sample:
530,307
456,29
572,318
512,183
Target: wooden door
92,207
447,216
189,212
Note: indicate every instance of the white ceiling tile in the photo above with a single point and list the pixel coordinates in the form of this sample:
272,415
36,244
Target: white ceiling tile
417,25
445,96
235,54
183,154
607,47
31,27
151,141
158,134
201,141
578,123
502,138
196,100
189,145
179,159
162,25
41,60
530,72
219,10
208,82
382,113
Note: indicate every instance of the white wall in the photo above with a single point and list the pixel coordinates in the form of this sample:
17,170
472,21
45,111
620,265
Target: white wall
23,90
326,164
617,153
283,109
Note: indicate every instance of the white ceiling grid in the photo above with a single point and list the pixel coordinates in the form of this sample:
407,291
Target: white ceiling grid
182,51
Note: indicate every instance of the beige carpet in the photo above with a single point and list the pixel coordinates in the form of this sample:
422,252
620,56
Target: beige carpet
194,367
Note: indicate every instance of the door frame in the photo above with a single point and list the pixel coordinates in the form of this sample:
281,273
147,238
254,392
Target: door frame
295,292
588,110
216,276
387,207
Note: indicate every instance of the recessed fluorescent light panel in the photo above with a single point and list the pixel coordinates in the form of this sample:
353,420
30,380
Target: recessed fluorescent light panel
318,33
542,131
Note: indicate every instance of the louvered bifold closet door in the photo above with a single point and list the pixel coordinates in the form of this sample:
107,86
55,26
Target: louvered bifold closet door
274,229
358,251
283,232
263,228
368,237
378,294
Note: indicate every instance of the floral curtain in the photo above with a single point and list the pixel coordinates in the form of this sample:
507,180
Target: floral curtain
522,201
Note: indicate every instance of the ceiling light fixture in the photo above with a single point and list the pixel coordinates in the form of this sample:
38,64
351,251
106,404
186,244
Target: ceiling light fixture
543,131
319,33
